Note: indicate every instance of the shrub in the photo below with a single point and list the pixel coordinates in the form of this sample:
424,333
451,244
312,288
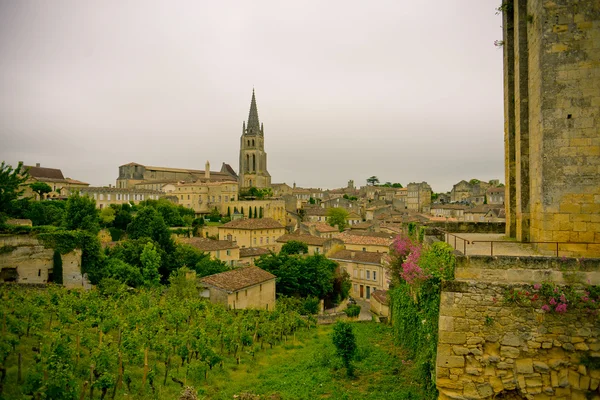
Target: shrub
353,310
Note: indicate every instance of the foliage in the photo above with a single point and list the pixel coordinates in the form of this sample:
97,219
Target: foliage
150,224
414,316
81,213
107,215
294,247
255,193
10,186
115,234
214,215
353,310
39,212
373,180
337,216
552,298
345,196
345,344
474,181
300,276
41,188
122,272
57,268
150,263
123,216
172,214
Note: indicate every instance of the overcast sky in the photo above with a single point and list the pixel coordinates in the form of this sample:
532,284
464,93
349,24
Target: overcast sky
404,90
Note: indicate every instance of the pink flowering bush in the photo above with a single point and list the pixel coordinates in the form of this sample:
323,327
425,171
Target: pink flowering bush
557,299
416,264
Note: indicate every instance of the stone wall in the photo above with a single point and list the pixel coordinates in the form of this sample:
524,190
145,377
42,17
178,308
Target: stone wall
552,147
470,227
33,263
491,348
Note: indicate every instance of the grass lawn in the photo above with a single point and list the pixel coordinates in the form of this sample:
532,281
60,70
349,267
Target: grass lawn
309,369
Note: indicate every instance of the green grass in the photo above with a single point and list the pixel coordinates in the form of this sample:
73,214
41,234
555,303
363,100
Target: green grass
309,369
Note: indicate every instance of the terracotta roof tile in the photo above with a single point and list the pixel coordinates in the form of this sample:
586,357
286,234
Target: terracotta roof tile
205,244
253,251
308,239
237,279
253,223
53,174
349,238
368,257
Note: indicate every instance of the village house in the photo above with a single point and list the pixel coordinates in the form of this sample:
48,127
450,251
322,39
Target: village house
450,211
259,232
315,214
495,195
316,245
241,288
281,189
249,254
319,229
270,208
484,213
367,241
368,271
222,250
353,218
203,196
53,177
418,197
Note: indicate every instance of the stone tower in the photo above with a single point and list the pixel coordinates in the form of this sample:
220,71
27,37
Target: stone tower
253,159
552,122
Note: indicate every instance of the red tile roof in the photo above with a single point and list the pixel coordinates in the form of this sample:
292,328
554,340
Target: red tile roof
205,244
349,238
308,239
253,223
253,251
381,296
238,279
363,257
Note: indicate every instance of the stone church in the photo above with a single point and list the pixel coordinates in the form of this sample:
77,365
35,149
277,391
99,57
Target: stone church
253,158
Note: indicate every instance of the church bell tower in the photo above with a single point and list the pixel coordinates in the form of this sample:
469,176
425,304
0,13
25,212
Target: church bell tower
253,159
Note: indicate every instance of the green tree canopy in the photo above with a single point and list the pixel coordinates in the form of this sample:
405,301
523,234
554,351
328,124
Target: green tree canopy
294,247
41,188
81,213
149,223
373,180
10,186
107,215
150,259
337,216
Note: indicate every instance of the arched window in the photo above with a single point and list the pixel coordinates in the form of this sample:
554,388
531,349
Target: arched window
253,162
247,163
252,142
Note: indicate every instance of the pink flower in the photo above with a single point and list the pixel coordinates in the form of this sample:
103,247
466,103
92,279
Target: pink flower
546,307
563,298
561,308
553,301
537,286
585,298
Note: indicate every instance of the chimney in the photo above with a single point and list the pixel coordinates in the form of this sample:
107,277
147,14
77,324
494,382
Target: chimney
207,170
37,165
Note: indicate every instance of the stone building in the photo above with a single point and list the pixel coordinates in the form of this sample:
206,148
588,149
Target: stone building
223,250
133,175
418,197
551,121
262,232
105,196
369,271
53,177
247,287
253,158
204,195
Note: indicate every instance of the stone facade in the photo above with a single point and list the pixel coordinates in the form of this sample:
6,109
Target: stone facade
262,232
418,197
491,348
203,196
24,259
105,196
552,147
253,158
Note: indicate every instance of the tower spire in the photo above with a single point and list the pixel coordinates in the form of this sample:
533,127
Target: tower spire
253,126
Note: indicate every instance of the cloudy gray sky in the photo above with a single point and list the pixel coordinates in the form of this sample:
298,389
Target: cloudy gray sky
404,90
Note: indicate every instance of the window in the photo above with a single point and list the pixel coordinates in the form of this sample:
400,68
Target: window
267,240
374,275
228,252
355,274
368,292
364,249
246,293
368,274
108,197
254,240
237,295
219,199
261,240
355,288
260,287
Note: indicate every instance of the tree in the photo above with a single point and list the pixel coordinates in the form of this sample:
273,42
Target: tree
372,180
81,213
41,188
10,182
260,212
345,344
215,215
255,213
294,247
150,224
397,185
107,215
150,263
57,268
337,216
